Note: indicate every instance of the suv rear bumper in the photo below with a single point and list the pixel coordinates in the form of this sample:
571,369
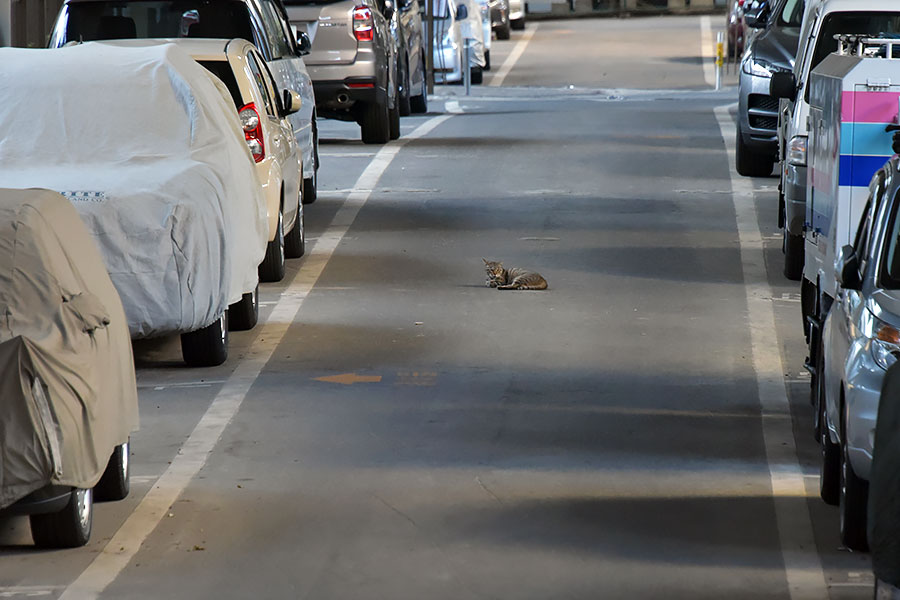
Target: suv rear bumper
343,94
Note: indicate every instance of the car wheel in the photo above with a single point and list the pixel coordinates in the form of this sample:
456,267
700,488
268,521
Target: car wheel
854,497
403,97
68,528
517,24
477,75
115,482
503,31
830,466
792,246
244,314
272,266
374,124
394,118
295,240
749,163
206,347
311,184
419,104
487,60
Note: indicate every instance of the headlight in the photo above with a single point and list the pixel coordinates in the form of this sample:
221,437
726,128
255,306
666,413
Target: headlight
884,339
758,68
796,153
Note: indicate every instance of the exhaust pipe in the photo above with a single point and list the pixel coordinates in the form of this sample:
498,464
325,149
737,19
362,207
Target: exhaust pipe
343,98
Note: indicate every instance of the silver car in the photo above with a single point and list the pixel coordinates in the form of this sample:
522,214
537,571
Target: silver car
353,62
861,339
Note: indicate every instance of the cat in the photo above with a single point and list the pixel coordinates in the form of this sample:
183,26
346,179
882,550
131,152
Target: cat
512,279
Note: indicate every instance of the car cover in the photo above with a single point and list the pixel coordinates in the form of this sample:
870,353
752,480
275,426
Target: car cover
66,371
884,483
148,147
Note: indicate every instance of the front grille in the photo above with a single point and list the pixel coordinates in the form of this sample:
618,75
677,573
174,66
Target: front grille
763,102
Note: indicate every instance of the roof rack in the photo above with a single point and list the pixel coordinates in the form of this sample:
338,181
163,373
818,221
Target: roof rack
868,47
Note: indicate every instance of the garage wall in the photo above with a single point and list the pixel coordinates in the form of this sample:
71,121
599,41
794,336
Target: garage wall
27,23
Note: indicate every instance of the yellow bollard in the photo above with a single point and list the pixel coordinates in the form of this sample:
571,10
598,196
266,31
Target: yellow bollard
720,58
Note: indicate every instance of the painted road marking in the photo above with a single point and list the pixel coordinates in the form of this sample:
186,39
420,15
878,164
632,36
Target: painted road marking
514,56
707,54
416,378
349,378
798,546
192,456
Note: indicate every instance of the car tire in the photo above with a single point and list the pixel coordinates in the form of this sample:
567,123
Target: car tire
374,124
244,314
503,31
792,246
517,24
295,240
419,104
853,504
206,347
394,118
477,75
68,528
115,483
830,466
749,163
272,266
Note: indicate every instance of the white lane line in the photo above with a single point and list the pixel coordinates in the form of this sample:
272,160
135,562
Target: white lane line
707,55
193,454
453,107
513,58
798,548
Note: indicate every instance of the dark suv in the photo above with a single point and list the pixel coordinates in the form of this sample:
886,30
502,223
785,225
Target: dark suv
263,22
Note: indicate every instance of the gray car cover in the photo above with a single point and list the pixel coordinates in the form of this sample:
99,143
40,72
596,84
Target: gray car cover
68,393
148,147
884,483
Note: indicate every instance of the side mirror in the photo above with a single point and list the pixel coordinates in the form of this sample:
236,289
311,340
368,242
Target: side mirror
783,85
462,12
388,10
291,101
304,44
846,269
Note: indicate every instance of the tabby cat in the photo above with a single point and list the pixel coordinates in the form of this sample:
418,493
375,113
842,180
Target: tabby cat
512,279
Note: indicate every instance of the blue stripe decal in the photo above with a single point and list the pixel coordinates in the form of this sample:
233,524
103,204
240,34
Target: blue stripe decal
857,171
865,138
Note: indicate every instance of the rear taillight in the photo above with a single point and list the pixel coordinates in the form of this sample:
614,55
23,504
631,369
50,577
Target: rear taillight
363,24
253,131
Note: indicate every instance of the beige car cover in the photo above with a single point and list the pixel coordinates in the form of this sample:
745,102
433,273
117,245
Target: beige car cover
68,394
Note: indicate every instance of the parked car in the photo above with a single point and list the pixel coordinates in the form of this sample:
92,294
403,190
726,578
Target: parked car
500,18
772,50
176,208
884,491
411,56
486,31
517,14
263,22
861,340
353,62
448,41
264,113
472,28
69,393
822,20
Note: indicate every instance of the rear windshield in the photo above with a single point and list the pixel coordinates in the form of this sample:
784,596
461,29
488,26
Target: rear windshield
222,70
792,13
115,20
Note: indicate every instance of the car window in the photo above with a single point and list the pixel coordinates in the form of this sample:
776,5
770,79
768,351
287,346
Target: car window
262,83
115,19
791,14
890,271
274,32
874,24
287,36
863,240
222,70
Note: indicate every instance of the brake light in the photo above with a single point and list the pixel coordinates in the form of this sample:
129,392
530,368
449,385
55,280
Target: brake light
363,24
252,125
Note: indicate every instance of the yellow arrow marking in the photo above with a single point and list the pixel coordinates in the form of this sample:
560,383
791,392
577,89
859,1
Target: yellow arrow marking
350,378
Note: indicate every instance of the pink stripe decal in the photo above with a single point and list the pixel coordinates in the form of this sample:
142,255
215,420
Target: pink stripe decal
869,107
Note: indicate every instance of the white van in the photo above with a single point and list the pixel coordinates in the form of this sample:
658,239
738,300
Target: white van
822,21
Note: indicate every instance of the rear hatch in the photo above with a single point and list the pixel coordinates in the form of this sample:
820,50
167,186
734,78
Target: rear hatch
329,25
